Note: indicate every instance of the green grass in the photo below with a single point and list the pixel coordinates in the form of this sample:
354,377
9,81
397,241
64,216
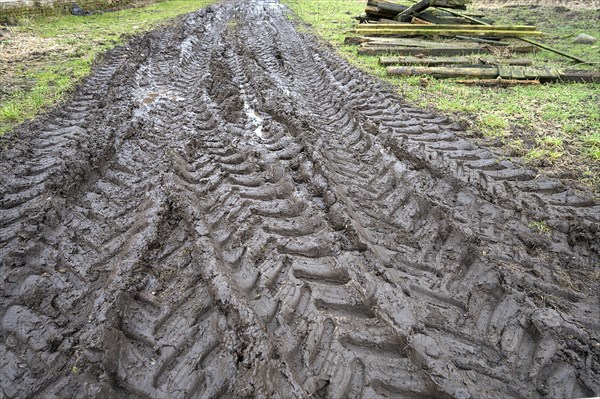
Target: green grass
556,125
541,227
592,144
78,41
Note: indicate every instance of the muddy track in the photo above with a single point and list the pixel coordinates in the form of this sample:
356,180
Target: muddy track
227,209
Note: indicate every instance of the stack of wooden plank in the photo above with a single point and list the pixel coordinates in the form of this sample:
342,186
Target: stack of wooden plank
384,31
433,28
388,11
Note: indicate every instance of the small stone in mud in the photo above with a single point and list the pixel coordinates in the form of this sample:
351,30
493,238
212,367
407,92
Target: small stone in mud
585,39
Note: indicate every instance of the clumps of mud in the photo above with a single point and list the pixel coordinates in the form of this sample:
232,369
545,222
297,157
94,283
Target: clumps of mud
227,209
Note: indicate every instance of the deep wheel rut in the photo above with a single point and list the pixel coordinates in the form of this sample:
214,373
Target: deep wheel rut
225,208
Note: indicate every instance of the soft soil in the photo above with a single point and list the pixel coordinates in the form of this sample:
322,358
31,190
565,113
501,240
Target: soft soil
227,209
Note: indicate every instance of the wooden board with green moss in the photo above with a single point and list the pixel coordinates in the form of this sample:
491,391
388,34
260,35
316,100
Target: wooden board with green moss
410,27
437,61
502,71
422,31
438,51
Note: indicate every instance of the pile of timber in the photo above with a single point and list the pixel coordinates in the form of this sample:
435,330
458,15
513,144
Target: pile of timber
377,10
431,37
386,26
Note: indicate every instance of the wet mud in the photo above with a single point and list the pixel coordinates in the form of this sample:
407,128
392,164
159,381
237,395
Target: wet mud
225,208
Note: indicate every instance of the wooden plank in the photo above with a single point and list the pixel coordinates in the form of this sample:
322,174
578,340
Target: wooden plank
480,40
416,8
387,6
437,18
407,42
503,72
420,51
387,61
498,82
492,28
377,12
443,72
354,40
580,76
458,4
436,32
433,48
517,48
419,21
388,21
517,73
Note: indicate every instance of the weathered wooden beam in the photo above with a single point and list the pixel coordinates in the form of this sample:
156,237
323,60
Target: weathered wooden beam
504,72
429,48
441,32
498,82
419,21
416,8
423,5
580,76
490,28
443,72
445,51
436,18
387,6
388,21
458,4
387,61
354,40
480,40
377,12
413,42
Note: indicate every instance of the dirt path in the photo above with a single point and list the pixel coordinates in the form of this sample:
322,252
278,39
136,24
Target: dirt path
226,209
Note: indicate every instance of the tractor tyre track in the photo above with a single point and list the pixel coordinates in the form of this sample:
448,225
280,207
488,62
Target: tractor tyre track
225,208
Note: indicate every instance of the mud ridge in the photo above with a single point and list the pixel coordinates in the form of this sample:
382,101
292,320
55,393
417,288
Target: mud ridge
225,208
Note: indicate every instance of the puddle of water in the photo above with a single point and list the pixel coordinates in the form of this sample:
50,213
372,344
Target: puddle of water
152,97
256,119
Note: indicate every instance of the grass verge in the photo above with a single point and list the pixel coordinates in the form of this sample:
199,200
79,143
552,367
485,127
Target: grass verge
554,127
42,59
